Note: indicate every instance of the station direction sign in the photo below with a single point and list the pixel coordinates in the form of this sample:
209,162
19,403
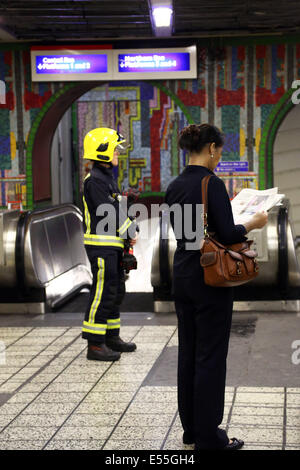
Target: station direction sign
232,166
78,64
159,64
81,63
75,64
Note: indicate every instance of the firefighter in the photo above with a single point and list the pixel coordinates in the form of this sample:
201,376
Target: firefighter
104,237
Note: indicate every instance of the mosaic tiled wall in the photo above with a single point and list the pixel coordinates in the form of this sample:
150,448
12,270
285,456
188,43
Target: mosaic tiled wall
148,119
24,101
237,92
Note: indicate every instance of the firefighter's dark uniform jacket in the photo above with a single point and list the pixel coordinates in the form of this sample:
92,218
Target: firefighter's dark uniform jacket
104,247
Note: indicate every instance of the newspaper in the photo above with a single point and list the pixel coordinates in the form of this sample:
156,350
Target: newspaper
249,201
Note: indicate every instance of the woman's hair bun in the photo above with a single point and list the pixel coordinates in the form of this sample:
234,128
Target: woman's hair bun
193,138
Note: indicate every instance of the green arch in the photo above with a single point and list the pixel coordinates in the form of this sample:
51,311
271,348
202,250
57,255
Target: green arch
278,113
45,109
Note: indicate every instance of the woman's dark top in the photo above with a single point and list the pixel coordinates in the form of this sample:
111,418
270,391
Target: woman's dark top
186,189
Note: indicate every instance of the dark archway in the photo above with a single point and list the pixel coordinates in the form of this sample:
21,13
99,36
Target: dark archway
41,137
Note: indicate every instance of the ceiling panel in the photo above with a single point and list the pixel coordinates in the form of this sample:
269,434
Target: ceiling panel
41,20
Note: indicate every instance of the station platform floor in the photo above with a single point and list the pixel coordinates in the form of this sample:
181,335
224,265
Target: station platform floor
52,397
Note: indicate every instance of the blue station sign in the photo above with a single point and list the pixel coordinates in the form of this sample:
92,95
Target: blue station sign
62,63
232,167
70,64
147,64
83,63
164,62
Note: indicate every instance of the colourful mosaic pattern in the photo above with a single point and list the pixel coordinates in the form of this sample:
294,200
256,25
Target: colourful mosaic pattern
230,99
152,115
7,136
149,120
34,96
240,181
271,71
270,77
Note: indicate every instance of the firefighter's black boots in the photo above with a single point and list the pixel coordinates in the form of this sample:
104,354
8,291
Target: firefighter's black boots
100,352
117,344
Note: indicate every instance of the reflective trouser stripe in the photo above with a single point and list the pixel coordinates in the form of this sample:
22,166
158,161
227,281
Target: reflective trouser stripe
125,226
94,328
113,324
98,292
87,217
103,240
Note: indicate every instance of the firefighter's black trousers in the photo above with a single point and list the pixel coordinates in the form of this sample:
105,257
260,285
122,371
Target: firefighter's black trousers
102,317
204,320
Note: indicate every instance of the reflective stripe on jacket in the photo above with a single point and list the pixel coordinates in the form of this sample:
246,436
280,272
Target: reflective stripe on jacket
99,187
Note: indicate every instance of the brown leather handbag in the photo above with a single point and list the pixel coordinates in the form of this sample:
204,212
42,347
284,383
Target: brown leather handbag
225,266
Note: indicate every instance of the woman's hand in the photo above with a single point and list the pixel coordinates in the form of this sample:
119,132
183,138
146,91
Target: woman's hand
259,220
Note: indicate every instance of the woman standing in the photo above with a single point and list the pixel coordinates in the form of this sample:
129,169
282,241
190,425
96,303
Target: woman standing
204,313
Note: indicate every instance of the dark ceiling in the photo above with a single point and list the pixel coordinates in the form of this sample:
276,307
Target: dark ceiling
41,20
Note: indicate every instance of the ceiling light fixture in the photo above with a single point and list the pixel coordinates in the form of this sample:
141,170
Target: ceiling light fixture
162,16
161,13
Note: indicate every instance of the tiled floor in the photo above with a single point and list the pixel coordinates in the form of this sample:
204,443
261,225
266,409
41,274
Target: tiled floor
51,397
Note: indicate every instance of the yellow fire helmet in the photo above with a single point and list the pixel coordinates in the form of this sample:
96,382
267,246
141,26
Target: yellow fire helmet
100,144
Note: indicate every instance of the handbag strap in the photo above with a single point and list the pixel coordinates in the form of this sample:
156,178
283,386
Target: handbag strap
204,185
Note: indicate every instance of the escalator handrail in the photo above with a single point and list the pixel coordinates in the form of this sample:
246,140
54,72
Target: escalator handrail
20,250
297,241
283,265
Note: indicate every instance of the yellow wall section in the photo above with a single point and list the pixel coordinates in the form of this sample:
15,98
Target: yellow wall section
13,145
242,142
257,140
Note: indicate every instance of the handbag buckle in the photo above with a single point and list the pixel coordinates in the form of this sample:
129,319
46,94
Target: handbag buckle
205,225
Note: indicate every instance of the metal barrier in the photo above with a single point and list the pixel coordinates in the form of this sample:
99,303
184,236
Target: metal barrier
42,258
276,288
